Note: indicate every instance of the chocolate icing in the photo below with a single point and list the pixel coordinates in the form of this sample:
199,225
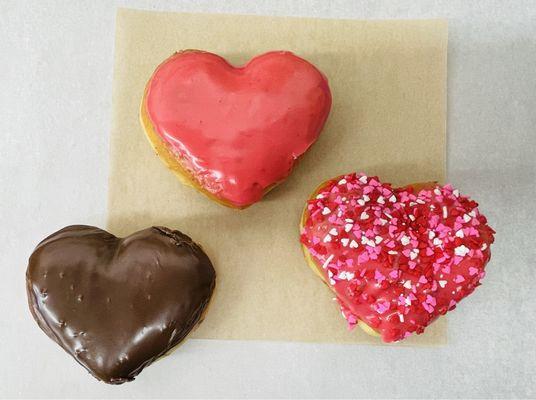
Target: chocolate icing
118,304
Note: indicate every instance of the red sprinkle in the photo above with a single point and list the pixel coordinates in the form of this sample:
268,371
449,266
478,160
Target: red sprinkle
396,259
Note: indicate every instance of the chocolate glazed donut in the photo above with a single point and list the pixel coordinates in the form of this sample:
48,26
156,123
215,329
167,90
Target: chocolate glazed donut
118,304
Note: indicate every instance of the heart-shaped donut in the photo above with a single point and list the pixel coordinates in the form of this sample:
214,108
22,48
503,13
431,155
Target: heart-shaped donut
116,305
396,258
234,132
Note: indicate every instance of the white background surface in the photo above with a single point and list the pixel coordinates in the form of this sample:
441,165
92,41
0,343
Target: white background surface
55,103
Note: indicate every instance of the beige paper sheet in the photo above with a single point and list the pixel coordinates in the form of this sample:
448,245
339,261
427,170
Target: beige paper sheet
388,80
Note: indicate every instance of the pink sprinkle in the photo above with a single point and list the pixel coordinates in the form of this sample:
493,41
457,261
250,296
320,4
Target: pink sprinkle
367,189
332,218
429,251
457,260
428,307
459,279
412,264
452,304
363,257
382,306
379,277
431,300
393,274
350,262
423,279
446,269
315,240
473,271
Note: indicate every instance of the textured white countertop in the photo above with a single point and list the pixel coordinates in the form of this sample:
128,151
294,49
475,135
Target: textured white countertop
55,102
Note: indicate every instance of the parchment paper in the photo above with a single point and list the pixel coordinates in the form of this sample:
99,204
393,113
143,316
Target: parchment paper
388,80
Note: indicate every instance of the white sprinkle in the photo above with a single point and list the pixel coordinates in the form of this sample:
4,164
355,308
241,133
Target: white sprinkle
364,239
333,232
339,214
431,235
401,317
412,217
484,247
392,199
326,263
348,227
388,215
371,243
408,301
320,196
345,241
472,214
346,275
332,281
412,203
342,182
405,240
456,192
445,212
459,233
380,200
392,252
364,215
461,251
442,283
420,201
407,284
361,202
466,218
326,211
363,179
413,254
330,274
437,191
378,239
353,244
349,220
382,221
366,198
437,242
327,238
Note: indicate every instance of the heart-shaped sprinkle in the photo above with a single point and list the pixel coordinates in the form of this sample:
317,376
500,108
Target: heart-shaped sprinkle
418,269
236,131
114,304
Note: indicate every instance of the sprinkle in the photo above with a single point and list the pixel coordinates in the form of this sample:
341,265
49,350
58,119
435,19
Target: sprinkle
461,251
319,196
484,247
407,284
473,271
378,239
459,279
392,252
361,202
411,217
459,233
437,242
456,193
405,240
353,244
401,317
413,254
445,212
382,306
342,182
326,211
437,191
326,263
431,235
364,215
349,220
423,280
363,179
380,200
466,218
366,198
327,238
442,283
392,199
348,227
345,241
333,232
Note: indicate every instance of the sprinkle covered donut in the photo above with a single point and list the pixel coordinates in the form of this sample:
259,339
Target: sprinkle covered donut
396,258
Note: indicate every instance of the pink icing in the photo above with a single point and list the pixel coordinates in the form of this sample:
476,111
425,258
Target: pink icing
238,130
396,259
